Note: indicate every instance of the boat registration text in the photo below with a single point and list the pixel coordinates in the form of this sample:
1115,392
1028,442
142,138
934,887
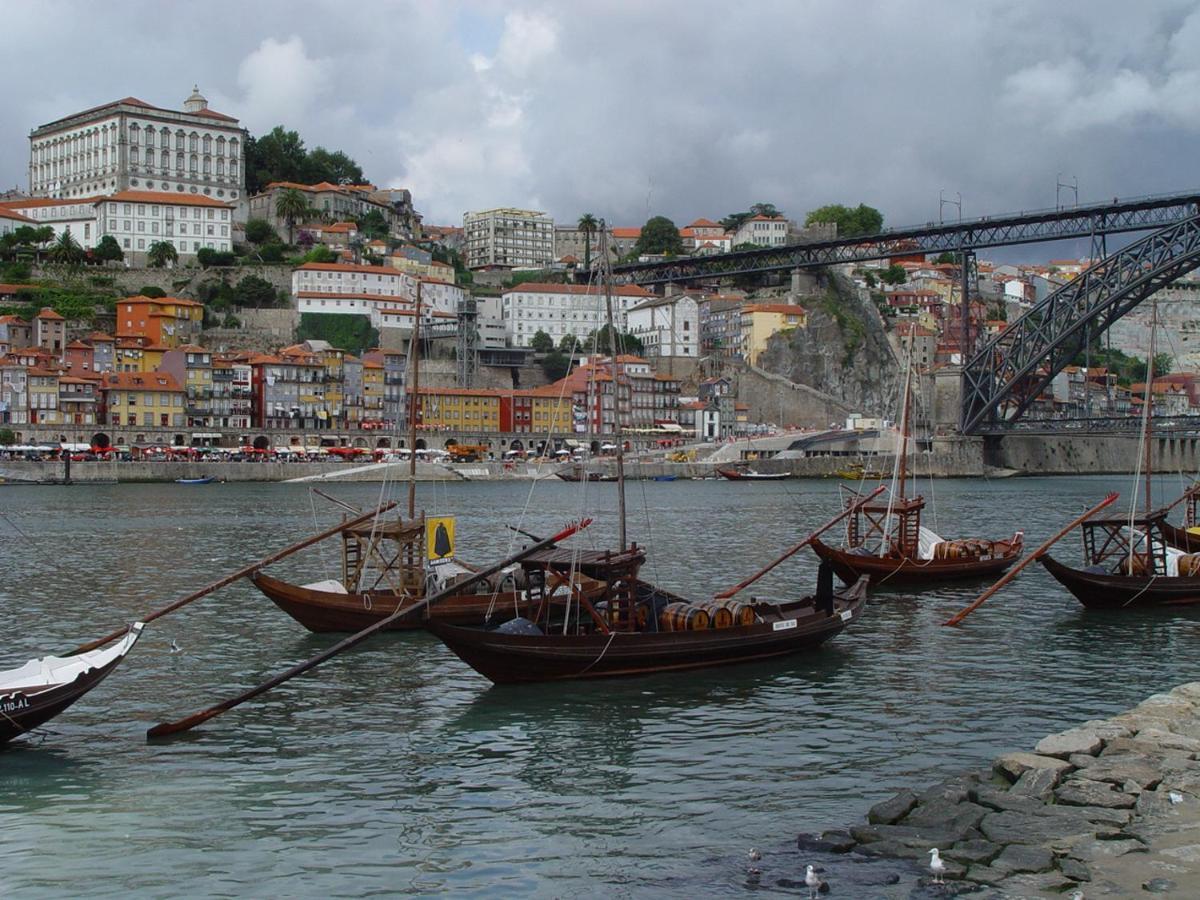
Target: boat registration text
785,625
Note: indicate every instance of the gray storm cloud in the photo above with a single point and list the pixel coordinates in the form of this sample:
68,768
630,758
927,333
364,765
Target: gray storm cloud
630,109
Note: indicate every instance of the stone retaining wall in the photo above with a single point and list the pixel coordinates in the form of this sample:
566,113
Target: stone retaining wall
1052,820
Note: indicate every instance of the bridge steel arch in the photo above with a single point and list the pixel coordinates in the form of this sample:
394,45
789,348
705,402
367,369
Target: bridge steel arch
1118,217
1012,369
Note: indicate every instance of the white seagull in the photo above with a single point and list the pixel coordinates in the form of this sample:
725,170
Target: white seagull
1175,797
175,648
936,866
813,881
754,855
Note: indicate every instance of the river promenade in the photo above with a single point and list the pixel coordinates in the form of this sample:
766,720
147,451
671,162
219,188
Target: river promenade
1110,807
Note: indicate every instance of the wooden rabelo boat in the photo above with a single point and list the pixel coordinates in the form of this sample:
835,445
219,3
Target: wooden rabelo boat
42,688
886,542
385,569
633,627
1119,572
1135,562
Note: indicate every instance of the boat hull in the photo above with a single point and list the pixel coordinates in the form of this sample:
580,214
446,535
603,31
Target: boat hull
890,572
23,709
520,658
332,612
737,475
1097,590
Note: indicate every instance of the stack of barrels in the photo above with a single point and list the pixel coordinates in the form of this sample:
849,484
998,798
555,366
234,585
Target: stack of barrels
1189,564
699,616
964,549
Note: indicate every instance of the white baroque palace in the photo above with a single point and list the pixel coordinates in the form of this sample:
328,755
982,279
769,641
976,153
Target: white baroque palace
130,145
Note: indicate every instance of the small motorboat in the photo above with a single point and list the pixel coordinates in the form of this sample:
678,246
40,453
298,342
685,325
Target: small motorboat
42,688
745,473
207,479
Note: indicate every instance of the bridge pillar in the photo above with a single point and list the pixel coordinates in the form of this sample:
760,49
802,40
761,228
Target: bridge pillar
803,281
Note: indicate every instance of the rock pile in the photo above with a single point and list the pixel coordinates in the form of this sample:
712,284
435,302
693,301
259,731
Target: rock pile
1041,822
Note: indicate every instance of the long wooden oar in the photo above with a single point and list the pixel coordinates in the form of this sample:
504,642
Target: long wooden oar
169,728
240,573
1036,554
796,548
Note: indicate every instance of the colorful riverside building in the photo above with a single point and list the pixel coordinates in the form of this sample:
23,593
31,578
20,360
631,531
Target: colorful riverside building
569,406
149,399
169,321
760,321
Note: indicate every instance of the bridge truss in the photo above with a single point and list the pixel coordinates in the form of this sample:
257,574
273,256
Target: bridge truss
1139,214
1012,369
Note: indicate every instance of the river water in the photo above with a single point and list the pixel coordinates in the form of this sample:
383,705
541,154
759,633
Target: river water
394,769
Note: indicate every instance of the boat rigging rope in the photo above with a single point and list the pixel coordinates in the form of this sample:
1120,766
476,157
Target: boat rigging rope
611,636
54,564
316,528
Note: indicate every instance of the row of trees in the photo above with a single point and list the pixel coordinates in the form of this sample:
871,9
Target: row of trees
280,155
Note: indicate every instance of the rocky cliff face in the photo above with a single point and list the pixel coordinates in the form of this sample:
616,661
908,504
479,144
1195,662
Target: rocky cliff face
844,351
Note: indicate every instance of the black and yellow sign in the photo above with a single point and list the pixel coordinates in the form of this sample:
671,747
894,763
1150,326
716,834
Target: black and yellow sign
439,537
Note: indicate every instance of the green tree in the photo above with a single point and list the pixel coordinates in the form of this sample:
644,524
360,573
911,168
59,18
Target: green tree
588,225
556,365
162,253
893,274
541,342
108,250
346,332
598,342
66,249
276,156
8,437
1163,363
260,231
569,344
291,205
850,222
947,258
373,226
319,254
254,291
659,235
870,279
149,290
333,166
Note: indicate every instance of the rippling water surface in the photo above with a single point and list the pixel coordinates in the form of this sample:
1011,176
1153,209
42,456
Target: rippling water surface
395,769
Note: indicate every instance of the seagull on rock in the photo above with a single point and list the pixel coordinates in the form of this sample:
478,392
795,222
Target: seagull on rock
936,867
813,881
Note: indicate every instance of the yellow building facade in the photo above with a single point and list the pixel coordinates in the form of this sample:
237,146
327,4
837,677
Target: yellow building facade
761,320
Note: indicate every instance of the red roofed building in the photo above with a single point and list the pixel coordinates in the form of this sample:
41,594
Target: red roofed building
165,321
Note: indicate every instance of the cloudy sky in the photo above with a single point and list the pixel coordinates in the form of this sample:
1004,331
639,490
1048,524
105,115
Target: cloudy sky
631,108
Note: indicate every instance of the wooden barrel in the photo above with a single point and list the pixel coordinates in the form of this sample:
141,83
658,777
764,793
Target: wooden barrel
1189,564
740,612
682,617
718,615
1139,565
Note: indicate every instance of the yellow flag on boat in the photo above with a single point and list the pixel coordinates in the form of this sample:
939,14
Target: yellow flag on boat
439,537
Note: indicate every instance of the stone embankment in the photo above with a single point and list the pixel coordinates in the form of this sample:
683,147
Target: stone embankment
1108,808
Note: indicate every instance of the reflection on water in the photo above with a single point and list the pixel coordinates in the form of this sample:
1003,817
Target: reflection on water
395,769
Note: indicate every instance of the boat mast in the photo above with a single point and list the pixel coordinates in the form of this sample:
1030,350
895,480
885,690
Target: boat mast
1149,444
904,413
414,355
606,277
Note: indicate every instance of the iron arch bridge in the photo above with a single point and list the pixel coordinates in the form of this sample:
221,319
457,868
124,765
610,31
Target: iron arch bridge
1117,217
1011,370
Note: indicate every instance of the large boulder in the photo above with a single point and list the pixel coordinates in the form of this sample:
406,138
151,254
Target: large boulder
892,810
1074,740
1013,765
1084,792
1141,770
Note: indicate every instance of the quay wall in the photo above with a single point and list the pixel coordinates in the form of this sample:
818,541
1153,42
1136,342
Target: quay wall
1074,454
